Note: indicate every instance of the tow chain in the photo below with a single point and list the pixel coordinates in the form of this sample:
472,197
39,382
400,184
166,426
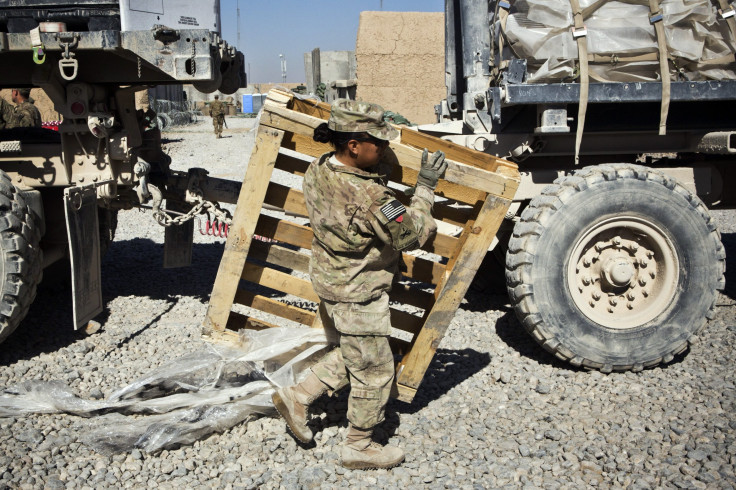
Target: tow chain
201,207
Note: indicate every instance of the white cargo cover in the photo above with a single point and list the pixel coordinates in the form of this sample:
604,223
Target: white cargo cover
698,40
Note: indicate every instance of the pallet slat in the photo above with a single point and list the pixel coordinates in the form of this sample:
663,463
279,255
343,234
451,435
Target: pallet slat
257,175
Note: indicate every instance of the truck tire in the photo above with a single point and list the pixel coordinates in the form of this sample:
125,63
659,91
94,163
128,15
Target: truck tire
615,267
21,264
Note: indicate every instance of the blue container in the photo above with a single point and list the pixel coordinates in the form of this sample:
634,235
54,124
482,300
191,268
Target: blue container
247,103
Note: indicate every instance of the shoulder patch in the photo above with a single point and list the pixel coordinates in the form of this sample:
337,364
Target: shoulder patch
393,210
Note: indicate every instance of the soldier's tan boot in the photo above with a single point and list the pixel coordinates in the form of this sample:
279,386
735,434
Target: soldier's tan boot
361,453
293,403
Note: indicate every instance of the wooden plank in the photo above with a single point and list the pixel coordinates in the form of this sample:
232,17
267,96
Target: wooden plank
284,231
457,173
306,145
458,153
275,254
444,212
279,281
286,198
274,307
443,245
403,393
415,363
423,270
311,107
253,190
301,128
292,164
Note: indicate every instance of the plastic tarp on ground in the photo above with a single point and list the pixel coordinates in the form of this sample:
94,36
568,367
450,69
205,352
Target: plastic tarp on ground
699,42
207,391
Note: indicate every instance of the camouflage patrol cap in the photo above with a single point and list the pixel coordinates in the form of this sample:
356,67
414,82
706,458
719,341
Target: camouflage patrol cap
352,116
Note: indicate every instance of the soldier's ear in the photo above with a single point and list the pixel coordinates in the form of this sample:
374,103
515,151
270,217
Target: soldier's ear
353,146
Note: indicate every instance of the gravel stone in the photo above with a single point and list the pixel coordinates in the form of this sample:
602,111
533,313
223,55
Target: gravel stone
494,411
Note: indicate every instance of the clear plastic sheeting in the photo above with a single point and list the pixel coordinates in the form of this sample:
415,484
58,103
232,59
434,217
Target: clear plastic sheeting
698,40
207,391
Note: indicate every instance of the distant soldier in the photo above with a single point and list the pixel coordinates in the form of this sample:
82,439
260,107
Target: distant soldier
24,114
217,111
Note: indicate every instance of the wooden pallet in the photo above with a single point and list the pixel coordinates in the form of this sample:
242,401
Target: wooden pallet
478,188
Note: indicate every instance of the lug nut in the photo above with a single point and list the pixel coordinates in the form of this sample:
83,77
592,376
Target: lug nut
634,246
592,303
650,254
610,310
586,280
645,293
630,306
586,262
599,247
613,301
643,262
642,282
617,241
653,274
596,295
631,296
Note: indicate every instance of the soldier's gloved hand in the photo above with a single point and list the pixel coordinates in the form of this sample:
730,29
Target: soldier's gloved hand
432,168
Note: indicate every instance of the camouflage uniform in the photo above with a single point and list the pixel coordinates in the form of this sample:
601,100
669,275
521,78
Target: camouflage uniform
217,111
23,115
359,230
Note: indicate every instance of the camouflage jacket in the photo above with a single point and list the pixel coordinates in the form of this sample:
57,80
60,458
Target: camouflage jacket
24,115
217,108
354,251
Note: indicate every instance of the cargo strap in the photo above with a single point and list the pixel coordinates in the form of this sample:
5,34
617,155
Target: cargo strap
614,58
656,20
729,14
579,33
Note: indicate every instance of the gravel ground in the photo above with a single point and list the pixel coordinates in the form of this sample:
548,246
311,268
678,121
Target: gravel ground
494,409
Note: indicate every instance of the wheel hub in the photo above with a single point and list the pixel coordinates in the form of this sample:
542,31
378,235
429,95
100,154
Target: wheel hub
623,272
618,271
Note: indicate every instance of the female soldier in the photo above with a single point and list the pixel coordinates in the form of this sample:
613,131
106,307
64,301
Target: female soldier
360,230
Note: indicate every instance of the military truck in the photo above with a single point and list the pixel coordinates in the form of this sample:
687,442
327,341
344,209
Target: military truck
620,116
60,191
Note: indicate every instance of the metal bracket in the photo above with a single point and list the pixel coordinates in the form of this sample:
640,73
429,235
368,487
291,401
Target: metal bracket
727,13
658,17
579,32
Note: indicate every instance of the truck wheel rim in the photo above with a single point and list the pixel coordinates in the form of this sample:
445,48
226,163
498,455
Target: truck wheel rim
623,272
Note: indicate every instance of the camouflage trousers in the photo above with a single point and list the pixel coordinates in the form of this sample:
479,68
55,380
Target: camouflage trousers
362,358
217,123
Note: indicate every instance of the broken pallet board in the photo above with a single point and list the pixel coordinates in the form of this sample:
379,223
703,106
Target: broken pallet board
478,189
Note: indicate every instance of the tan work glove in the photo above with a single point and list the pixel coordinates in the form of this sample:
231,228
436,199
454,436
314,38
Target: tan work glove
432,168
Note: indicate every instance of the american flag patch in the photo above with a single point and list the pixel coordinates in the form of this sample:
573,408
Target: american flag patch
393,210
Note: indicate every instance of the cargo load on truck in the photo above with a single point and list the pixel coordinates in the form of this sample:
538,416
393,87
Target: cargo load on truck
623,39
